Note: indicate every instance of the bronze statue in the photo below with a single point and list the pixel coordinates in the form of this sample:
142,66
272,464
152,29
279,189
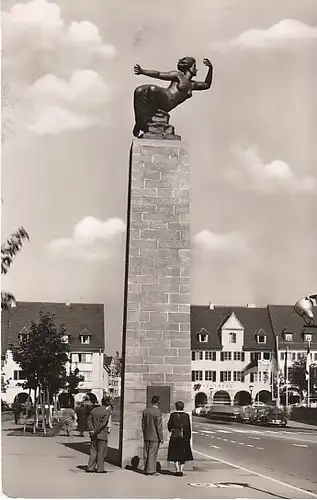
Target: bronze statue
151,100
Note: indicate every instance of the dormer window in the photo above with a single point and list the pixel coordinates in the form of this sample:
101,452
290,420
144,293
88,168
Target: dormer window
203,335
85,339
308,337
261,339
232,338
24,334
65,339
288,337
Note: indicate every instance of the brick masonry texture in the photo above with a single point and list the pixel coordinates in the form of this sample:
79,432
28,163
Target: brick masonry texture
156,343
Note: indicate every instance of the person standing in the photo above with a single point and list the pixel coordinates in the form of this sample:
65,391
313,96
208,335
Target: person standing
68,419
152,435
179,449
98,421
17,409
82,418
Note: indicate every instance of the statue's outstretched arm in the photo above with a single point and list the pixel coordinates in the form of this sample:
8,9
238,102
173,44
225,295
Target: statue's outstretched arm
207,83
170,76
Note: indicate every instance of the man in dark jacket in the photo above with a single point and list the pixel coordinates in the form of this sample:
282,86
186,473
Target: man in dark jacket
98,422
152,435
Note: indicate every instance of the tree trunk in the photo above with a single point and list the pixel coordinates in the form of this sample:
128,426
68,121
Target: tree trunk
42,403
50,424
36,414
55,407
26,411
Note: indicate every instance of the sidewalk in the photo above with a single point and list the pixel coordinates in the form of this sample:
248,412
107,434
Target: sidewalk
299,425
54,468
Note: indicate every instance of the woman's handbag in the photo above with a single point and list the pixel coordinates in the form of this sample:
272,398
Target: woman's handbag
178,433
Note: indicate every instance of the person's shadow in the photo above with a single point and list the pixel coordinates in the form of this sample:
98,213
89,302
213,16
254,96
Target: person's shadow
135,462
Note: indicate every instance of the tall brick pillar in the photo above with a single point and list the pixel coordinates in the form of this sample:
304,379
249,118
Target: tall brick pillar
156,336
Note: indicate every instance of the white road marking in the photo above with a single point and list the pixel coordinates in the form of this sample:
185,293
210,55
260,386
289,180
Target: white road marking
213,446
209,432
194,432
300,445
259,448
253,437
224,432
309,493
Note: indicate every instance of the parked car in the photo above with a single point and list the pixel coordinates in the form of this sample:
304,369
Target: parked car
5,406
204,411
224,412
197,410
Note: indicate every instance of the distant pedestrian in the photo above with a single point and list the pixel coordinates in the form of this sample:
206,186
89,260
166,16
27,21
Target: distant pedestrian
68,419
152,435
28,408
98,421
17,410
82,412
179,449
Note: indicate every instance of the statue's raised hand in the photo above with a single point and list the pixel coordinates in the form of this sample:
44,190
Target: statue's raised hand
137,69
207,63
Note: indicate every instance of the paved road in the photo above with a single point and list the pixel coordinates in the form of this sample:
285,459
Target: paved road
284,454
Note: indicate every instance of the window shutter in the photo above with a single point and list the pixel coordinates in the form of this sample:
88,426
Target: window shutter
242,356
221,356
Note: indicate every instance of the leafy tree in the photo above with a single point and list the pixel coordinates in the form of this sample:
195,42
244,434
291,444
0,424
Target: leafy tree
9,249
298,375
43,355
72,381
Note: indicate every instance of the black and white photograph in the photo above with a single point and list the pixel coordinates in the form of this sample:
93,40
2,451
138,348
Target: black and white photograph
158,262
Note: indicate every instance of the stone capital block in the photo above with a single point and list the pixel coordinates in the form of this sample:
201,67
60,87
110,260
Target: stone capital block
156,344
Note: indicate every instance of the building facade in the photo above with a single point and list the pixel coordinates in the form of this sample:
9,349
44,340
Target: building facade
112,371
234,351
85,334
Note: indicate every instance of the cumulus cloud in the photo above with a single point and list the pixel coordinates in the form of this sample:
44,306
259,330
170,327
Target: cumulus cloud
58,104
250,172
233,243
286,33
36,28
92,239
47,71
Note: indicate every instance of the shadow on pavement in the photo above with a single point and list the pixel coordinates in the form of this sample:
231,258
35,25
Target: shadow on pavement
113,455
137,471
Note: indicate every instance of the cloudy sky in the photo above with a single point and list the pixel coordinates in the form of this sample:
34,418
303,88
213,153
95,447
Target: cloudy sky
67,119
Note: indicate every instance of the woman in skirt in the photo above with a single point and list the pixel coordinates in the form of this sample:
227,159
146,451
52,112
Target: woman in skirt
68,419
179,449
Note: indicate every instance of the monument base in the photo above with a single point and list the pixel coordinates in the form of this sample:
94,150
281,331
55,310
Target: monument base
156,335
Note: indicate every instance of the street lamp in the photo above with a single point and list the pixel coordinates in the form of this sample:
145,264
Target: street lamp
251,389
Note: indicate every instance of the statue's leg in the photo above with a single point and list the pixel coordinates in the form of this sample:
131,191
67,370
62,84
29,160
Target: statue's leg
142,109
147,100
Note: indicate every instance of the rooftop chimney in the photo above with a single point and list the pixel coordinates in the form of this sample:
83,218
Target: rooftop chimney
211,306
67,303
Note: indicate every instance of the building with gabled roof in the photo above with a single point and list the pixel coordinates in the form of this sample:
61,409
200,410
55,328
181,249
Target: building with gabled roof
85,334
112,367
227,341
